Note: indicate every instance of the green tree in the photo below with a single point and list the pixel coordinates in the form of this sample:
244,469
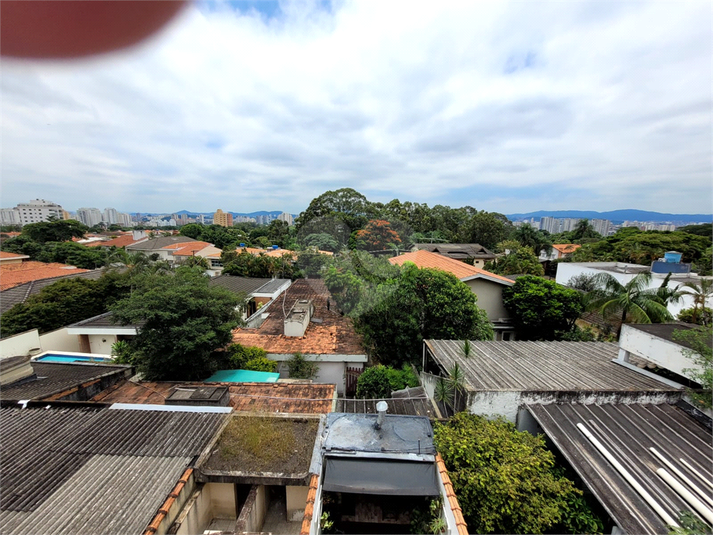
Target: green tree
633,300
261,364
346,205
542,309
54,231
518,260
64,302
420,304
239,355
321,241
530,237
489,228
584,230
701,291
698,349
183,322
699,316
505,480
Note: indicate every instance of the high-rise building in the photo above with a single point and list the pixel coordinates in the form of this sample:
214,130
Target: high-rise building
110,216
287,218
602,226
89,216
550,224
9,216
125,220
37,211
224,219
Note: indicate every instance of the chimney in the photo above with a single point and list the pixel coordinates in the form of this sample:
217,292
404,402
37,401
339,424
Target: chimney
381,408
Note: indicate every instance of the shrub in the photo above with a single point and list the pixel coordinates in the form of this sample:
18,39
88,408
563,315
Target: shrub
505,480
239,355
301,368
261,364
379,381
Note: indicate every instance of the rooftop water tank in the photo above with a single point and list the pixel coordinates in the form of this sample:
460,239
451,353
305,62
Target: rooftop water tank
277,247
672,257
242,245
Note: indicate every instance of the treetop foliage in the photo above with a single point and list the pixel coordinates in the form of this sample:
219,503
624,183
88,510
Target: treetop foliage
506,480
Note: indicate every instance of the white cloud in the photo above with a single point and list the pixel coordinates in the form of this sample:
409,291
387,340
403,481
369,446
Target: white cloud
596,105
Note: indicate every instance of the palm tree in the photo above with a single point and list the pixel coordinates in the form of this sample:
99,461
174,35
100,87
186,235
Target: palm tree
668,295
443,392
633,300
701,292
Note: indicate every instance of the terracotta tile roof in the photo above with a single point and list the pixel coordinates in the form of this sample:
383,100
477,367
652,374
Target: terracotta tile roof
279,252
489,274
186,248
566,248
12,275
296,398
309,506
451,496
163,510
11,234
121,241
334,335
5,254
251,250
427,259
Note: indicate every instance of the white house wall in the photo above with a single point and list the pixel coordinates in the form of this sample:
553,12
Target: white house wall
100,344
20,344
490,298
661,352
59,340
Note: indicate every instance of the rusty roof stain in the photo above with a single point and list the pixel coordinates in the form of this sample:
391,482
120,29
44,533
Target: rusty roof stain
12,275
334,336
293,398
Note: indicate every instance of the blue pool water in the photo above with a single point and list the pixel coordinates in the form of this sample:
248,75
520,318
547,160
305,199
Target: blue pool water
71,358
242,376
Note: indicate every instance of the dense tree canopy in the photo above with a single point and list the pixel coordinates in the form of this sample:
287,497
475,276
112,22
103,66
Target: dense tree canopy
517,260
65,302
258,266
542,309
420,304
58,230
698,342
183,322
377,236
506,480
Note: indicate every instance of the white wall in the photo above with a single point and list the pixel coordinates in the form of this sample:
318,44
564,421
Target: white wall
59,340
331,368
296,502
101,343
20,344
197,515
661,352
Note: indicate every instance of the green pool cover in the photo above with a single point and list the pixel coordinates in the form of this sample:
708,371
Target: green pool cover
242,376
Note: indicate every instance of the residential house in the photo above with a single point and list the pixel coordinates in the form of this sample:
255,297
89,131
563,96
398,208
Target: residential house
559,251
122,241
98,334
373,471
624,273
12,258
465,252
16,273
500,379
21,292
158,246
487,286
259,292
305,320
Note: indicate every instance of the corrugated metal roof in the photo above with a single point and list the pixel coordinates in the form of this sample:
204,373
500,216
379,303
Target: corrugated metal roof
93,470
627,432
541,366
404,406
53,377
235,284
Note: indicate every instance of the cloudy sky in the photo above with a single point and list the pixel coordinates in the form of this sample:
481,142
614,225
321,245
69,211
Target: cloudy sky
263,106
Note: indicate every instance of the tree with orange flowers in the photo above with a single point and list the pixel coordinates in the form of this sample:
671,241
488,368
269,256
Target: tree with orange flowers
377,236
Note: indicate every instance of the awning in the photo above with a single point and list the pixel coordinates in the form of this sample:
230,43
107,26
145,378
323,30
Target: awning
369,476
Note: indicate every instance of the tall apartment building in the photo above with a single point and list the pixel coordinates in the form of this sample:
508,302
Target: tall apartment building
89,216
110,216
550,224
10,216
287,218
125,220
602,226
35,211
223,219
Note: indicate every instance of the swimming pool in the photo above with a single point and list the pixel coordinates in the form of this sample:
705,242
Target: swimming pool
67,358
242,376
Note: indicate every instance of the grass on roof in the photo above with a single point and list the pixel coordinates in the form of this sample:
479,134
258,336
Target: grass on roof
265,444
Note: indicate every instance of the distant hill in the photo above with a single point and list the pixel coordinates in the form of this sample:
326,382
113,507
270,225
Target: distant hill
616,216
251,214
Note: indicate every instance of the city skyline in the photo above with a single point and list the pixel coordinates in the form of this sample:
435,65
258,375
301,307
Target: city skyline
504,107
